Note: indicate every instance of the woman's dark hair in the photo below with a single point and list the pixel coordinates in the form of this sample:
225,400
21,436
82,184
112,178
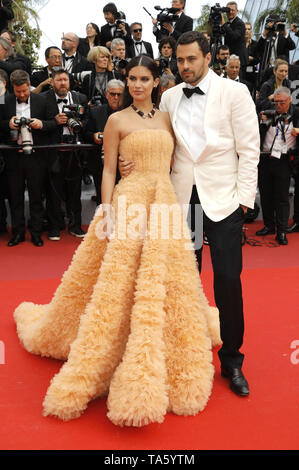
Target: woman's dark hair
147,62
168,40
194,36
97,41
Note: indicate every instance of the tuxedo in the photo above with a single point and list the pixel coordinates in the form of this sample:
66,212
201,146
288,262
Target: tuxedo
184,24
6,14
79,63
21,169
274,179
64,173
283,46
218,154
146,48
106,35
234,38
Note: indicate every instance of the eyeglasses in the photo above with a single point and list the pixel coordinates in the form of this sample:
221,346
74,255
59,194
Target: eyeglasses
280,102
111,93
67,39
137,30
56,57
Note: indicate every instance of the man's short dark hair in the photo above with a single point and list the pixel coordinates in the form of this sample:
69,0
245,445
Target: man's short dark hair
223,47
195,36
58,71
47,51
110,8
19,77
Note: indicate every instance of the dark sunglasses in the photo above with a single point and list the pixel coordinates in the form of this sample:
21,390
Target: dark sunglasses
137,30
111,93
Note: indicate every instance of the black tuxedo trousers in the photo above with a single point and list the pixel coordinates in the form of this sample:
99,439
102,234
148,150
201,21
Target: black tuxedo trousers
225,242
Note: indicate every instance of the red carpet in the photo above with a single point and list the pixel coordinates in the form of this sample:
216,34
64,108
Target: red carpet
267,419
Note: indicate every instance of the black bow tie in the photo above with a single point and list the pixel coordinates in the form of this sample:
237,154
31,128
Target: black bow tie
20,102
69,57
138,42
62,101
189,91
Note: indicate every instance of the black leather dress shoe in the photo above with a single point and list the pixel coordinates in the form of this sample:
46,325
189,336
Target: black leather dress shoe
16,239
265,231
36,240
281,238
238,383
293,228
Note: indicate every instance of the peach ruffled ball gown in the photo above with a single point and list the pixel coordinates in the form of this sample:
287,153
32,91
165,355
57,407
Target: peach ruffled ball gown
129,317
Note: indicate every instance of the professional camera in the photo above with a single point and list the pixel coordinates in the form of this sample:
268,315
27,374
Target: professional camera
215,18
97,100
119,63
79,76
167,15
279,24
26,134
74,113
120,18
274,118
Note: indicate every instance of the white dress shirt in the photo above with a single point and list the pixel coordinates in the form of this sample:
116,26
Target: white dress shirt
191,116
68,97
23,110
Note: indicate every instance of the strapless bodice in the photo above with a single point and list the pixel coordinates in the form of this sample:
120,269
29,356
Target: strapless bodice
149,149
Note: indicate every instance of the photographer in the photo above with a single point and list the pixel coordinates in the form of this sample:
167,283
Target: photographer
94,85
116,27
167,61
118,52
65,169
72,60
222,56
41,80
278,79
232,70
274,42
8,60
277,139
172,23
139,46
234,35
95,127
26,167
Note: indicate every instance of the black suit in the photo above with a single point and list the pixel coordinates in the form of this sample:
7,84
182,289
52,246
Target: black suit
98,117
88,87
64,173
80,63
106,36
21,169
184,24
40,76
6,14
234,38
148,48
284,46
274,181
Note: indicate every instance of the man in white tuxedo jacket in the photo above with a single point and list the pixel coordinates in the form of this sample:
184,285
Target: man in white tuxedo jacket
215,162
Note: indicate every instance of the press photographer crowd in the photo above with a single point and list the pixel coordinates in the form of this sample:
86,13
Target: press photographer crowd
52,118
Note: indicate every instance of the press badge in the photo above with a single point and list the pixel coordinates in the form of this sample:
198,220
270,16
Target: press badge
276,151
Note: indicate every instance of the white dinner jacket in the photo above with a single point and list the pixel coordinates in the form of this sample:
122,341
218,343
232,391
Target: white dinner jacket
225,171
